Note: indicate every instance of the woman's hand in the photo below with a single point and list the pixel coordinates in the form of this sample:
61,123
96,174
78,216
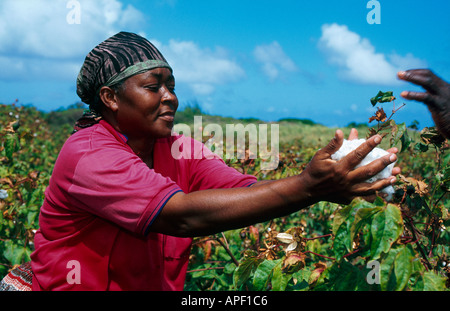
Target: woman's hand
210,211
340,182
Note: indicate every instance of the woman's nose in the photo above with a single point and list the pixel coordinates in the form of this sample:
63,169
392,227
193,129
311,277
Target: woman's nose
169,97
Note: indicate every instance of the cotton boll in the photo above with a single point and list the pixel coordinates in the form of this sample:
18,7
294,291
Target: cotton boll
350,145
3,194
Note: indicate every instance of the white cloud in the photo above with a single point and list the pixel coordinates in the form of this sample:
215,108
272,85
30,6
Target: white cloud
358,60
406,62
200,68
36,34
273,59
37,42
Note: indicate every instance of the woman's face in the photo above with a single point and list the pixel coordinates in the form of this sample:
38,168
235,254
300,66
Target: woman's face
146,104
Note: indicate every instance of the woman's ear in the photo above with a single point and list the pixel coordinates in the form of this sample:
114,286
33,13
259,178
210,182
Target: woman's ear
109,98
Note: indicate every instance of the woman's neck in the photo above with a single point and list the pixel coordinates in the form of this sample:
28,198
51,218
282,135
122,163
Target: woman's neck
143,148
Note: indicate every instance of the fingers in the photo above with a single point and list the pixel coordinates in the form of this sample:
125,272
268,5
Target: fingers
423,77
367,171
409,75
340,180
357,155
431,101
333,145
370,191
353,134
424,97
392,150
396,170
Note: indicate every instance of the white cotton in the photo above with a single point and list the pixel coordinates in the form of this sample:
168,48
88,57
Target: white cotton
3,194
350,145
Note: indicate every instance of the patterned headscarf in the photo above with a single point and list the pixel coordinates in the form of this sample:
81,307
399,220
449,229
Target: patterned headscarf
110,63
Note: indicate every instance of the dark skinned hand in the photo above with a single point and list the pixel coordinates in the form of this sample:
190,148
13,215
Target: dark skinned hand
340,182
436,97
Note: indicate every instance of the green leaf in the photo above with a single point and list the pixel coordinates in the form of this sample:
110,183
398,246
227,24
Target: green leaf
432,136
386,227
342,227
397,133
340,217
363,216
229,268
420,147
243,272
342,243
382,97
343,276
32,216
406,141
10,141
433,281
263,274
396,268
301,280
280,279
15,253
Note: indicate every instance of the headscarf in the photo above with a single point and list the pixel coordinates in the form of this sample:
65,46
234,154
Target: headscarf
110,63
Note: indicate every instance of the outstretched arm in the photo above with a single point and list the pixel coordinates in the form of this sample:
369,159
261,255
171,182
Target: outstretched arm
211,211
436,97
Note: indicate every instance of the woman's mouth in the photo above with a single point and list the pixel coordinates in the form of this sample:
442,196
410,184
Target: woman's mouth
167,116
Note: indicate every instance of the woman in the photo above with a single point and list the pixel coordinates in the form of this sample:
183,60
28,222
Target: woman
120,210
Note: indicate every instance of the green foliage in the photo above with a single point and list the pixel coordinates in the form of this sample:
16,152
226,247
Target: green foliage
28,150
187,113
296,120
401,245
65,116
382,97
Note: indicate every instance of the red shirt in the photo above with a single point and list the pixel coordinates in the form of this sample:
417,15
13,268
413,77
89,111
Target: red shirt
100,203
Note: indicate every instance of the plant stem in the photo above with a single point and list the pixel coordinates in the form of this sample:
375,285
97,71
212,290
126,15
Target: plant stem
205,269
351,253
318,237
440,198
422,252
227,249
310,252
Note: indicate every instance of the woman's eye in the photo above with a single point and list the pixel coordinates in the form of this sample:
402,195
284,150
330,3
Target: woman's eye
153,88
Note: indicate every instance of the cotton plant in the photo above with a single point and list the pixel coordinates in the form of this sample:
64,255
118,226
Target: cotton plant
292,237
350,145
3,194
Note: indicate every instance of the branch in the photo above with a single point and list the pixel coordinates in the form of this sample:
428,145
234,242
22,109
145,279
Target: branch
318,237
424,256
205,269
227,249
309,252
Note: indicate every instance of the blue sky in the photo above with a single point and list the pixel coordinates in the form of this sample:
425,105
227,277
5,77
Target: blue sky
320,60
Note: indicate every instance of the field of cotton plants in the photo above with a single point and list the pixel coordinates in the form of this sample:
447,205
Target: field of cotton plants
398,245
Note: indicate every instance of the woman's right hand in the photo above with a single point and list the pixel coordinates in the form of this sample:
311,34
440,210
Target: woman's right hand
339,181
205,212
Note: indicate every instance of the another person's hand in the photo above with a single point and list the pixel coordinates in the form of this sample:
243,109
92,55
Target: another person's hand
436,97
340,182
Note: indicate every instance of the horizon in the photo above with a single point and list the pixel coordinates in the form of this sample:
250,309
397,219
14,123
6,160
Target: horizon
239,59
306,121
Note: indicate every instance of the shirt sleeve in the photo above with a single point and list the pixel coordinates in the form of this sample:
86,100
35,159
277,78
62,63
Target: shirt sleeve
116,185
